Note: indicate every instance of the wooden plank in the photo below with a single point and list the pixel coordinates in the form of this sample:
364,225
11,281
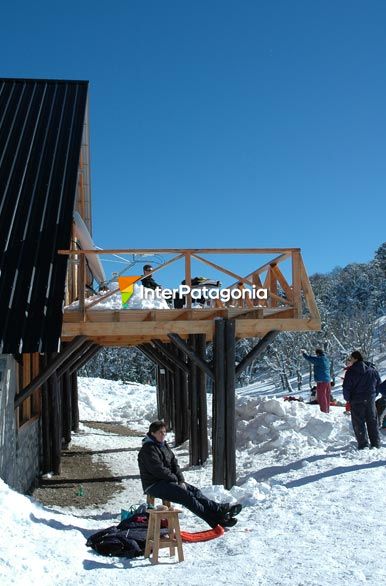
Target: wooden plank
125,315
137,328
185,250
249,328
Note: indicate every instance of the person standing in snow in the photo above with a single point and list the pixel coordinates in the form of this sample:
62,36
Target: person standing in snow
322,366
360,388
162,478
380,403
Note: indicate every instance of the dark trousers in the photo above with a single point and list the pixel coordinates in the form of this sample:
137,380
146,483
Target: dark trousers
364,421
191,498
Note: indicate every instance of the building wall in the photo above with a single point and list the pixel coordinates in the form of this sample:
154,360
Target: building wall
19,449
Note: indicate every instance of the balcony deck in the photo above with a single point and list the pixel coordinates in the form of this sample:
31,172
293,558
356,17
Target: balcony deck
290,307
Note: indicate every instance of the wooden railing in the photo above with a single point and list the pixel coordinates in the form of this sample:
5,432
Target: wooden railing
292,292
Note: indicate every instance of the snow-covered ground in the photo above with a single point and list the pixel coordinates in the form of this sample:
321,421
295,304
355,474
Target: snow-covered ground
314,507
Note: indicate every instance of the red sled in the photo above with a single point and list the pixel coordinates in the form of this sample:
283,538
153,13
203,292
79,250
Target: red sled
202,535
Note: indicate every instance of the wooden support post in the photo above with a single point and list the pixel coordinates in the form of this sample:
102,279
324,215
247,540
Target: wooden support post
296,283
184,400
55,418
82,360
152,354
194,459
66,408
256,351
169,398
74,357
178,434
172,356
51,367
218,432
46,433
74,402
202,406
230,407
181,344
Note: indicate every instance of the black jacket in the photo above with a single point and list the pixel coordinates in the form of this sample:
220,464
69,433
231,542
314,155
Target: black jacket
360,382
149,283
157,462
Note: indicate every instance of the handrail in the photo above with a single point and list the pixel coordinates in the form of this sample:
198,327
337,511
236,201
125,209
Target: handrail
281,292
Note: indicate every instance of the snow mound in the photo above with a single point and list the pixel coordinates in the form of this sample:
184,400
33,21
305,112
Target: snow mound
274,424
101,400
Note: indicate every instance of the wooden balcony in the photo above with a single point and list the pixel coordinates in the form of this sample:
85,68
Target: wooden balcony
290,303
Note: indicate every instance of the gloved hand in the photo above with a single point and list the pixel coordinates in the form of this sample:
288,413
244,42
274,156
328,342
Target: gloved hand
182,485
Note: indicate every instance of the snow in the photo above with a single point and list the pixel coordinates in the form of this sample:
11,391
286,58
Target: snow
314,507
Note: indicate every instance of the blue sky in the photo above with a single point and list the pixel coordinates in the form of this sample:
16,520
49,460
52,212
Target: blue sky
218,123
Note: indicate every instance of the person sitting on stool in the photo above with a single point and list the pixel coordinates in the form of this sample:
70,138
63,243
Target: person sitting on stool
162,478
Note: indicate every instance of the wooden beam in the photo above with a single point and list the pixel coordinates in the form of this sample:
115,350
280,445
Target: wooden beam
82,360
256,351
67,364
283,282
174,359
154,329
308,292
152,354
179,250
296,283
182,345
249,328
50,369
222,269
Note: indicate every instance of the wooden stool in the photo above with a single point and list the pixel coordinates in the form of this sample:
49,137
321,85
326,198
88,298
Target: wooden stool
154,541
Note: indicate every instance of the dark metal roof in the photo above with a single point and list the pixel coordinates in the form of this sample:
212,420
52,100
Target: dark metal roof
41,125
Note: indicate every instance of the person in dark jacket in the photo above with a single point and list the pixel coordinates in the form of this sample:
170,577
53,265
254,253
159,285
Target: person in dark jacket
322,376
380,404
148,280
162,478
360,386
